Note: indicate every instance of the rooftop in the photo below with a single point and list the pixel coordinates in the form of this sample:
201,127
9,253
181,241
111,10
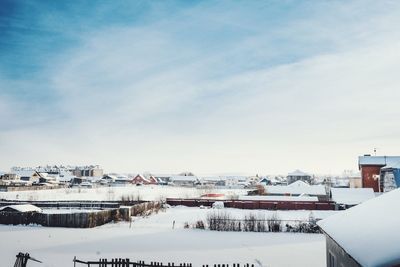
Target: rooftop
296,188
22,208
379,160
298,173
369,231
351,196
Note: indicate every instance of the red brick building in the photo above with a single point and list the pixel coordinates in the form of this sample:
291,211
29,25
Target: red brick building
370,167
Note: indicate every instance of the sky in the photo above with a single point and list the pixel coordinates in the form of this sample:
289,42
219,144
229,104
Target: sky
212,87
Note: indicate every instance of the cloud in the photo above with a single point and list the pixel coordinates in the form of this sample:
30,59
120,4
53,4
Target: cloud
241,90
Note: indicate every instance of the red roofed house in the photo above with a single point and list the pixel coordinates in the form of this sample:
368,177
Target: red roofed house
140,179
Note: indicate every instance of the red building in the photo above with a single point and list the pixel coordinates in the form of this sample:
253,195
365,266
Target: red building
140,179
370,167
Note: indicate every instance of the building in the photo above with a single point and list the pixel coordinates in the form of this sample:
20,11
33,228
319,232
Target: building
298,175
22,208
183,180
88,171
9,178
390,178
296,189
213,180
141,180
349,197
365,235
370,167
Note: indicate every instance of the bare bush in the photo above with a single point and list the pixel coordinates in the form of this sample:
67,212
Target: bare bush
199,225
274,223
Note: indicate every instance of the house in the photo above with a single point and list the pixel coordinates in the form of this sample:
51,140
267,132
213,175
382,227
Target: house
355,180
20,208
183,180
371,166
365,235
213,180
88,171
390,177
298,175
141,180
296,189
265,181
9,179
348,197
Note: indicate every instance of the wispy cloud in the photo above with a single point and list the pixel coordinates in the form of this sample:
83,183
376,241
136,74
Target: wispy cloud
211,87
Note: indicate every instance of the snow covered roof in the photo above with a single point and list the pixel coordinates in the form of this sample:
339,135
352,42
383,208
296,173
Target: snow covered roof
298,173
351,196
279,198
369,231
299,184
392,166
184,178
379,160
213,178
24,173
296,188
22,208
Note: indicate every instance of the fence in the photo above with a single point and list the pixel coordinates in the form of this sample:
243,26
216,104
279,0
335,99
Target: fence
80,219
81,204
119,262
22,259
255,204
30,188
72,220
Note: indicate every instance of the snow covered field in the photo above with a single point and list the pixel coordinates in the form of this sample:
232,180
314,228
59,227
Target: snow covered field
153,239
116,193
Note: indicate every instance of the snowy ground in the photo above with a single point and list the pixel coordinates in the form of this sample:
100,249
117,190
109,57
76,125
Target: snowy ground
153,239
116,193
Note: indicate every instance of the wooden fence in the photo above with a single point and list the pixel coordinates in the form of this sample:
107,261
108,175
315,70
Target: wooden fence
72,220
82,219
119,262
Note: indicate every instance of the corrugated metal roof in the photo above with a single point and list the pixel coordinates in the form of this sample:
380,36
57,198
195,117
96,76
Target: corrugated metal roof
379,160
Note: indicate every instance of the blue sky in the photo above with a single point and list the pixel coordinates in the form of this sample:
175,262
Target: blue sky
207,86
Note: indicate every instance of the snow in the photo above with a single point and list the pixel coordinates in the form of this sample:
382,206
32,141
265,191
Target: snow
351,196
369,231
296,188
66,210
153,239
145,192
23,208
184,178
